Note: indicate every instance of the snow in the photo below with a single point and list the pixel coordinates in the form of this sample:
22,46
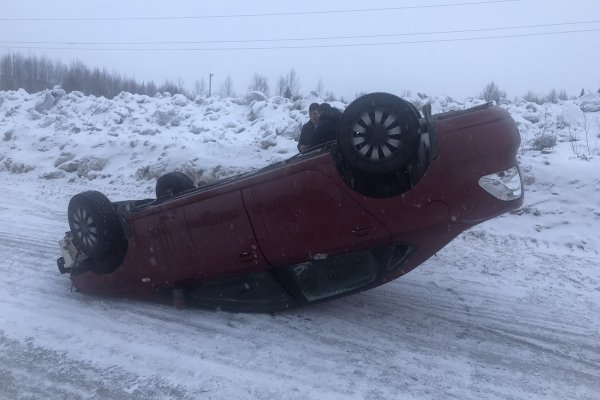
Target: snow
508,310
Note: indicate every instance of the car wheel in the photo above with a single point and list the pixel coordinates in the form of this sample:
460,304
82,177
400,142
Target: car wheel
378,133
94,224
172,183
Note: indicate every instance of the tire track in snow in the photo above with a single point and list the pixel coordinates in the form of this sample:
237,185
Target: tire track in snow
28,372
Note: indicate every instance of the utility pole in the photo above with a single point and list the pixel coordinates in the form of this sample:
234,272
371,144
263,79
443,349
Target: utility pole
210,83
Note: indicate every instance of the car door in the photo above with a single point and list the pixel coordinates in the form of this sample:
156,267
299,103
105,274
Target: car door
223,240
305,216
162,246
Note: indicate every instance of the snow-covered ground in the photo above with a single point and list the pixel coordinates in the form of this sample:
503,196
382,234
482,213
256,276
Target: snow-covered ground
508,310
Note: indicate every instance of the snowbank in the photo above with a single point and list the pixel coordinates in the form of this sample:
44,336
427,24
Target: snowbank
134,137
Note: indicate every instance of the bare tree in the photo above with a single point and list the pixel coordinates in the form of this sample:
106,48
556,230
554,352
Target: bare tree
281,85
181,87
226,89
563,95
330,96
533,98
293,83
259,83
168,86
552,97
493,93
76,77
151,88
199,87
6,78
320,88
289,85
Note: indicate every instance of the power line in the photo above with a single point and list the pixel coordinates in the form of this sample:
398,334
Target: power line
307,46
278,14
310,38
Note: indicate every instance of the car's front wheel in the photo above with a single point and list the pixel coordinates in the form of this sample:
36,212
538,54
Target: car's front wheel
379,133
94,224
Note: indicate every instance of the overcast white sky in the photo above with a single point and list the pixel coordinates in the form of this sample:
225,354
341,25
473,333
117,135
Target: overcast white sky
432,63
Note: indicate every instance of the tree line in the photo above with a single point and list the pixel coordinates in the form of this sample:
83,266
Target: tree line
493,93
34,74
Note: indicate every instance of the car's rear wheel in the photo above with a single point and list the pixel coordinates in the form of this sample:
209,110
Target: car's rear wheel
173,183
94,224
378,133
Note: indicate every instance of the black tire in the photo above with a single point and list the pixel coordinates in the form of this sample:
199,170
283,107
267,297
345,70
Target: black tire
173,183
94,224
378,133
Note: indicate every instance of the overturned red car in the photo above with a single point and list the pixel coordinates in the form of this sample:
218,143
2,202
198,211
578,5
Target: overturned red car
345,216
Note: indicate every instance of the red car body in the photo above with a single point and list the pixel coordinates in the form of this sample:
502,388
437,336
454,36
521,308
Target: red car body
298,232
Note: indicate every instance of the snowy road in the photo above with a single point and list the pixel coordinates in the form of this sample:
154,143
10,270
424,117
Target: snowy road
493,316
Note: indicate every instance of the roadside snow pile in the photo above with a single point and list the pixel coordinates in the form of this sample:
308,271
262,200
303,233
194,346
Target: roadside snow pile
57,135
590,103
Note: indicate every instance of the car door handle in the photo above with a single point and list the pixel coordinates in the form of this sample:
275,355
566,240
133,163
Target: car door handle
246,256
360,230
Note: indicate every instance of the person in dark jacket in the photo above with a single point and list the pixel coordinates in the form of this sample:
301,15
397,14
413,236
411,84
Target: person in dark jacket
307,134
321,128
328,122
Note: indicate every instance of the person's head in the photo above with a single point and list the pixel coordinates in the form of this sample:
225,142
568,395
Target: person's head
324,110
324,107
313,113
